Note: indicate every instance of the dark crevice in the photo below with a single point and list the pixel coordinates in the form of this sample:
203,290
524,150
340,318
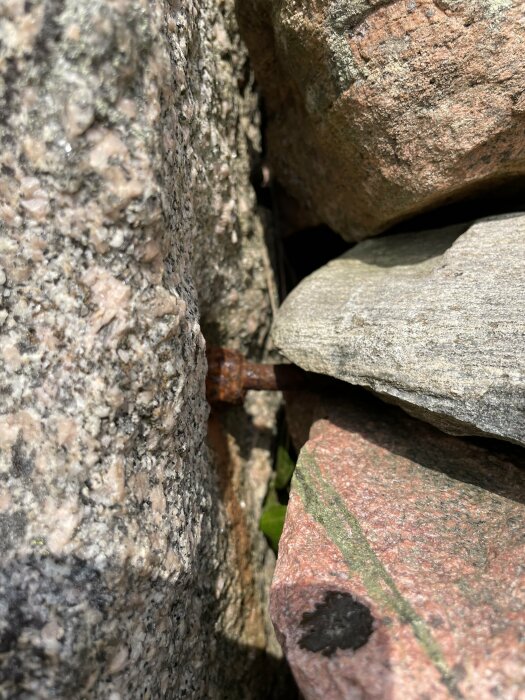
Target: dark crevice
307,250
297,252
486,199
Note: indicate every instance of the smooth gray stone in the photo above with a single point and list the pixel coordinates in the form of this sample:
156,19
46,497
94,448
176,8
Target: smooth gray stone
431,321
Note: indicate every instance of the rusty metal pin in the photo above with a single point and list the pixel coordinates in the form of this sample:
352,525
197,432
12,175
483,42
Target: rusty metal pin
231,375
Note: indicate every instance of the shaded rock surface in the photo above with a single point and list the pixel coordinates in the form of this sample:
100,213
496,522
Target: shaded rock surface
379,110
431,320
127,131
400,569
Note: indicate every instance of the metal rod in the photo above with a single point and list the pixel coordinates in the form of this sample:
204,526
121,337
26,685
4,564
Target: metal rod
230,375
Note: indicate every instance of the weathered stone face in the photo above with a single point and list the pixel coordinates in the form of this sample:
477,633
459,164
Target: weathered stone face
400,565
380,110
125,145
431,320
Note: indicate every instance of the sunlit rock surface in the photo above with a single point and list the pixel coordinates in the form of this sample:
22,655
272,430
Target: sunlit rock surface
432,320
127,130
379,110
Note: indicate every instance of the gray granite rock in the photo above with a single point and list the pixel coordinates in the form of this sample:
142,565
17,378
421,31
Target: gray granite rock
125,209
431,320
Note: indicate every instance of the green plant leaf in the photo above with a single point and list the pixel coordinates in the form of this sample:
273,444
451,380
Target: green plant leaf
284,468
272,522
272,497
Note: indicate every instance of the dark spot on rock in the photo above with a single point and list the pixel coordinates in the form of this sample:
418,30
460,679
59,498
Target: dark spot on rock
12,529
24,347
435,621
27,344
89,579
82,573
22,464
10,75
13,624
50,32
10,672
339,622
459,671
19,612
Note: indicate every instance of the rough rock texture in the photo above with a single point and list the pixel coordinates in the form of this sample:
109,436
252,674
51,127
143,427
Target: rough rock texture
400,572
432,320
378,110
126,131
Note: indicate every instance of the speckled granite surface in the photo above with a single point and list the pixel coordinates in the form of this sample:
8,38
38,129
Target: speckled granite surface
118,166
400,573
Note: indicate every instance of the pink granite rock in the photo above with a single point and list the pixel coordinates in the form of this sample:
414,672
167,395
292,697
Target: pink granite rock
400,572
377,110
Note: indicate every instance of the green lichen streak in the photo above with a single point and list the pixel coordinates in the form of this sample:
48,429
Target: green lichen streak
324,504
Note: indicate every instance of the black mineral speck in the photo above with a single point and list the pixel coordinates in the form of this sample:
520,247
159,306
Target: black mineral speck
22,462
12,529
339,622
